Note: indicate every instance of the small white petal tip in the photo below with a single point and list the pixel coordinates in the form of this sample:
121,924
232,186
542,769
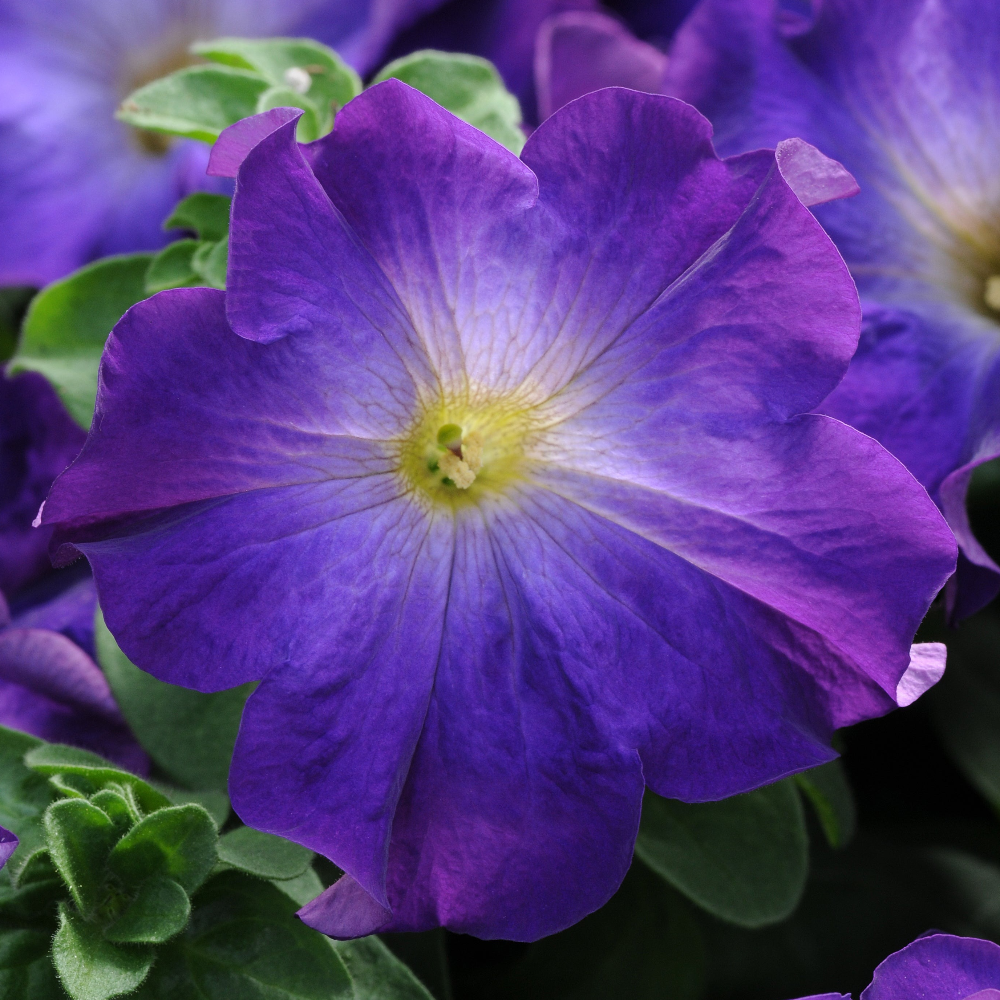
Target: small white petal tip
927,660
37,523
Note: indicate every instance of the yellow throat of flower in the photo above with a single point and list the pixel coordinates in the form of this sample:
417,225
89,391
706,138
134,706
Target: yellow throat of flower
456,452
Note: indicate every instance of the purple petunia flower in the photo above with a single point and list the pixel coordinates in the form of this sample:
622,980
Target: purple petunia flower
38,439
51,687
906,94
494,472
938,966
8,844
76,184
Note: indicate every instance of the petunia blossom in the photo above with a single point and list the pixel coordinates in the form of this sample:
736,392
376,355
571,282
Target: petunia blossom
495,473
38,439
76,184
8,844
906,94
938,966
50,685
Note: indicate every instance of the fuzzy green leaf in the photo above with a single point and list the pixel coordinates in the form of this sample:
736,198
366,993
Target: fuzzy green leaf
26,971
68,322
91,968
178,842
171,267
197,102
209,262
244,940
189,734
80,837
14,300
263,854
309,126
89,773
330,84
118,808
744,859
159,910
205,214
468,86
827,789
24,797
303,888
377,973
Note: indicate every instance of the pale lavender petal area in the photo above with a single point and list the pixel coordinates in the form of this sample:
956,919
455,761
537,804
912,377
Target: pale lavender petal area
927,663
907,97
74,182
38,439
8,844
58,606
815,178
665,572
235,142
581,51
51,688
941,966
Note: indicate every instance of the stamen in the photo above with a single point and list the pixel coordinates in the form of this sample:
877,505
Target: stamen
991,293
457,470
472,450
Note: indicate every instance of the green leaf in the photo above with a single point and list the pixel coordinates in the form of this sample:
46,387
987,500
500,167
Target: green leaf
26,971
189,734
303,888
80,838
744,859
118,809
641,945
33,901
331,82
203,213
91,773
263,854
216,804
177,842
308,128
14,300
828,790
67,324
209,262
965,704
24,797
159,910
376,973
94,969
469,87
244,940
197,102
171,267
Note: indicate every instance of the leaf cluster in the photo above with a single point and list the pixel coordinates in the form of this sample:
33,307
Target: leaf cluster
246,76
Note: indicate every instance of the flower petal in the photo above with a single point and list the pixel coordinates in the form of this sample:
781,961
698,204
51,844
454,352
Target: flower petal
210,436
940,966
519,813
577,52
8,844
515,277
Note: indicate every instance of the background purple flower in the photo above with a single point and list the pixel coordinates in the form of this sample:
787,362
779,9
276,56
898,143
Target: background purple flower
77,184
38,439
8,843
938,967
50,685
657,571
906,94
